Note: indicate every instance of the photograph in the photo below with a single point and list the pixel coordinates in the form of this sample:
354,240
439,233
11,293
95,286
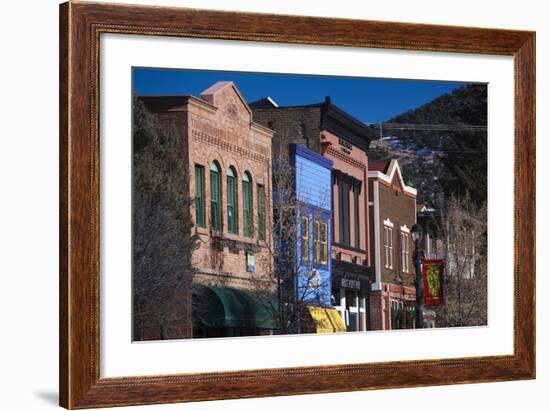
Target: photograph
271,204
286,202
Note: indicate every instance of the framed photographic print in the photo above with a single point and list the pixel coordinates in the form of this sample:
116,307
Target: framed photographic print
257,205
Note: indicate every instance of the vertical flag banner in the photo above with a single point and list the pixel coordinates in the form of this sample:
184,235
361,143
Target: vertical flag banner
433,282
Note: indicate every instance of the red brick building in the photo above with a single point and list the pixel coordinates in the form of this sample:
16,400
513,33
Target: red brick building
392,213
325,128
228,156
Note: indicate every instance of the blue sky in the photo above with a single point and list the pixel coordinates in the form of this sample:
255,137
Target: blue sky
369,100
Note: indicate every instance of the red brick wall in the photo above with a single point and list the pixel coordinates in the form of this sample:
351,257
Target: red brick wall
376,311
379,304
227,135
354,164
219,127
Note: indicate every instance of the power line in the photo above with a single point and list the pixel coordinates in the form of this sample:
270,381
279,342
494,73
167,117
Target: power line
430,127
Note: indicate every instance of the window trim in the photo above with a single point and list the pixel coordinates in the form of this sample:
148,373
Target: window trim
323,243
304,238
388,244
232,223
215,223
356,217
248,206
200,220
344,188
405,251
316,241
260,192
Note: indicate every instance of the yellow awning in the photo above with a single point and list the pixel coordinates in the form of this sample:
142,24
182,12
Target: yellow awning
326,320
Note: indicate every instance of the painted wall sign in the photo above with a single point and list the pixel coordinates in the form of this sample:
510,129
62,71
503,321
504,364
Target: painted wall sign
250,266
345,146
350,283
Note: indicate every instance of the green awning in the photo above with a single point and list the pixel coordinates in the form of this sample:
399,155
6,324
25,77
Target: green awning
232,307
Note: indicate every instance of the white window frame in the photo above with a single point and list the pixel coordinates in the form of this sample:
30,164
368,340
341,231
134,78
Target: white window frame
388,243
405,240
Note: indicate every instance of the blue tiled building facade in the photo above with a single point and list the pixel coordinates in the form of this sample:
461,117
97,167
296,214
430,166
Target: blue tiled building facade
314,224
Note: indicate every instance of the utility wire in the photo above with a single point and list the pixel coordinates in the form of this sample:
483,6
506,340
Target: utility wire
430,127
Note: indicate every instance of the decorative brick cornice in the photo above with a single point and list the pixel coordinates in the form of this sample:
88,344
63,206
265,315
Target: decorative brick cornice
203,137
346,159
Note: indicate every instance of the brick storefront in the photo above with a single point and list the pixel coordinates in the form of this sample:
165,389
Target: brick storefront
228,156
392,214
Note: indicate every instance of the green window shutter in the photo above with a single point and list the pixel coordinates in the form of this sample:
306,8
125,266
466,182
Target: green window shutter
199,195
215,199
261,212
231,203
247,208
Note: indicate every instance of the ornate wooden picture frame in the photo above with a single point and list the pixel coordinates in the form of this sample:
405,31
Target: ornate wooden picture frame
81,25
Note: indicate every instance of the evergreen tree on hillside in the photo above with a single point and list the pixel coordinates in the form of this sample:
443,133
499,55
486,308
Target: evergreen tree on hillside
462,165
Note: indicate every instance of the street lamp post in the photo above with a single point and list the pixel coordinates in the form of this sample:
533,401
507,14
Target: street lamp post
418,255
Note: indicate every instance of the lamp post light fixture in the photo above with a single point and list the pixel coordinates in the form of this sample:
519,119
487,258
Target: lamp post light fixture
418,255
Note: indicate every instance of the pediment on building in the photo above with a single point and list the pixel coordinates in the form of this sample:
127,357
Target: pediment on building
230,103
391,175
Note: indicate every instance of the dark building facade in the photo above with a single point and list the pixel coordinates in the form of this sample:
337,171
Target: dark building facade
392,216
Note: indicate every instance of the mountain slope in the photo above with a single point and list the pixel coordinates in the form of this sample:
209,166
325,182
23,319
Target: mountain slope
442,144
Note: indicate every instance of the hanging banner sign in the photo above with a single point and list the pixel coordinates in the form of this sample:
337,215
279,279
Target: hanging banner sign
432,271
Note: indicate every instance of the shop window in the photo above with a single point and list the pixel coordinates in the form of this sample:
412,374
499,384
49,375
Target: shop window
397,315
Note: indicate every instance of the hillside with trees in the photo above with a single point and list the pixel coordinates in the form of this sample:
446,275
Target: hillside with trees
442,145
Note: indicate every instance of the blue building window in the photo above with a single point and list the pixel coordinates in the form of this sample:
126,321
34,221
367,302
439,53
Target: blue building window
304,227
323,242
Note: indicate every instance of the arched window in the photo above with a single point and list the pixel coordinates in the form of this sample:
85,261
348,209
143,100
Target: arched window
215,220
232,200
247,205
